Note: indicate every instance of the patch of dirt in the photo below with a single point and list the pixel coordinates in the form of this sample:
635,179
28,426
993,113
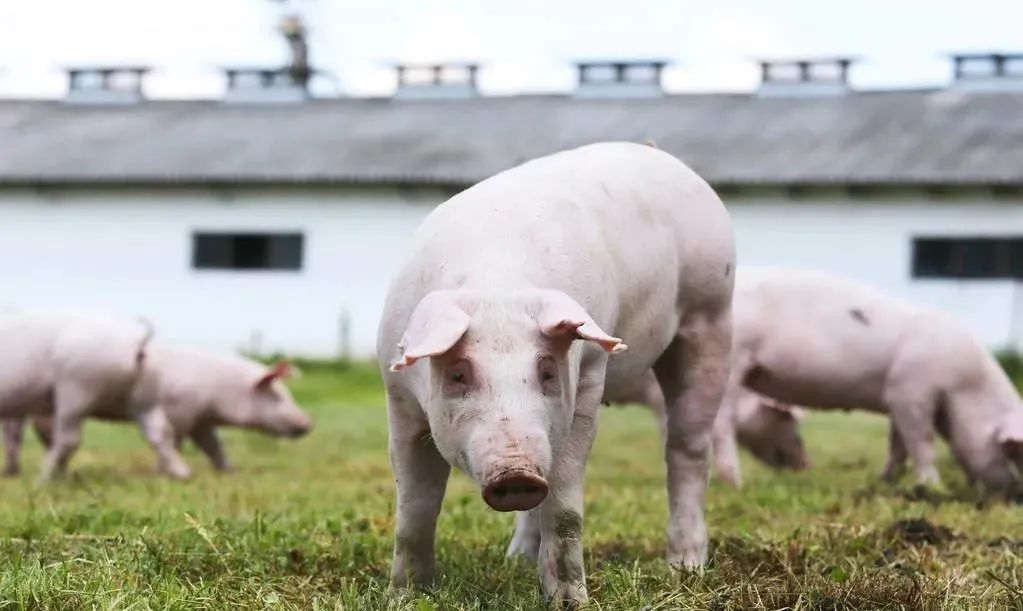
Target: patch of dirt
920,530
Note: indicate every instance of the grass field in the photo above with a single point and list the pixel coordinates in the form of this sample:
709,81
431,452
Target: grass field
307,525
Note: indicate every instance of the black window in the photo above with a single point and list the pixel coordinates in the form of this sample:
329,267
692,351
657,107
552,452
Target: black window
968,257
251,251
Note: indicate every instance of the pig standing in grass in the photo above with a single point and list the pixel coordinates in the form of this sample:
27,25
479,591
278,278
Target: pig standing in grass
74,365
769,429
199,390
508,323
819,340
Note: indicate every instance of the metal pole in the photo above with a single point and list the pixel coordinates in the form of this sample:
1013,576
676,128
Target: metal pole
344,335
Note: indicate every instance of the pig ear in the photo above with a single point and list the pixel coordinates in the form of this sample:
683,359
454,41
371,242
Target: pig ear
561,316
281,370
1010,435
783,408
436,325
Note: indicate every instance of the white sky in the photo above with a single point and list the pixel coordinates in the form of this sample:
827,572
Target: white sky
525,45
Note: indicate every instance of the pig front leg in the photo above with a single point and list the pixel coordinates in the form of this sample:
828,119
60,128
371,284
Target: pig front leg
896,464
421,477
67,436
562,577
205,437
913,421
13,430
693,373
726,448
157,431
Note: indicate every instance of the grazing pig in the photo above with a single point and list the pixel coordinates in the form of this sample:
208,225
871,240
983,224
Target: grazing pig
815,339
497,339
767,428
200,390
75,365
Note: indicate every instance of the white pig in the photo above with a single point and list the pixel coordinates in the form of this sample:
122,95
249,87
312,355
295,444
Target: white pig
815,339
73,365
608,244
769,429
200,390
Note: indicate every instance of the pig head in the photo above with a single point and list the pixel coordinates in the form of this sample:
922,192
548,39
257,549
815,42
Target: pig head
499,388
264,404
769,429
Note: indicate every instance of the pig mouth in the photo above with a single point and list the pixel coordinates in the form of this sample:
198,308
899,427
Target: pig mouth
515,490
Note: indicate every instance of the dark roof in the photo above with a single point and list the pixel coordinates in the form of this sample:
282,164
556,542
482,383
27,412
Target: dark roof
898,137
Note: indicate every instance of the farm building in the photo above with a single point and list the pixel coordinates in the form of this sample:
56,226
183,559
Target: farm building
271,221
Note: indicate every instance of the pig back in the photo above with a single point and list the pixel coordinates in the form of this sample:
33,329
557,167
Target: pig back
26,364
627,231
816,339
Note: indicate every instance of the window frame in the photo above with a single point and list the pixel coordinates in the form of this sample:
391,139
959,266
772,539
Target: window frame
205,258
963,257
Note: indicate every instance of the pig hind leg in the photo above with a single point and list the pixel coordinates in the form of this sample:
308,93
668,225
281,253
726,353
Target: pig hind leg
13,432
205,437
525,540
72,403
693,374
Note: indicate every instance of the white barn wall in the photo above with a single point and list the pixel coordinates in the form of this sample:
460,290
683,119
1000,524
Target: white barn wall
129,251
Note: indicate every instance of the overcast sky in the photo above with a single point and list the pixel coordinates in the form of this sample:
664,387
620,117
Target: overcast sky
525,45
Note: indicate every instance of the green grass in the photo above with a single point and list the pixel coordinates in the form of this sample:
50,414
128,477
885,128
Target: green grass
307,525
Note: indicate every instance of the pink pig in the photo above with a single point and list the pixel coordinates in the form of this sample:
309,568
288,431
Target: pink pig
199,390
508,322
815,339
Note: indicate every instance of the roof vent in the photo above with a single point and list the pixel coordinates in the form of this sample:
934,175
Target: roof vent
804,77
105,85
264,86
988,71
620,79
437,81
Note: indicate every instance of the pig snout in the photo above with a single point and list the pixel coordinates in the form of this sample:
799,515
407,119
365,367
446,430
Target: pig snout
294,425
516,490
300,426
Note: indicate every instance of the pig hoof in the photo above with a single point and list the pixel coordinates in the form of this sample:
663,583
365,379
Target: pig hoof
179,473
688,560
11,472
730,477
569,596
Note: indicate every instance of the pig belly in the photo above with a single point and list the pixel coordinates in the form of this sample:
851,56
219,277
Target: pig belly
813,386
20,397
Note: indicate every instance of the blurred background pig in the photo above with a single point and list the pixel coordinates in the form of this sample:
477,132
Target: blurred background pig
74,365
199,390
820,340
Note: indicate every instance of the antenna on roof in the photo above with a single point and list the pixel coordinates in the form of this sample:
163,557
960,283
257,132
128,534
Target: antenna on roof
292,26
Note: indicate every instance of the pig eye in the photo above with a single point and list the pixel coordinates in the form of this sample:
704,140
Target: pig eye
458,378
547,371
